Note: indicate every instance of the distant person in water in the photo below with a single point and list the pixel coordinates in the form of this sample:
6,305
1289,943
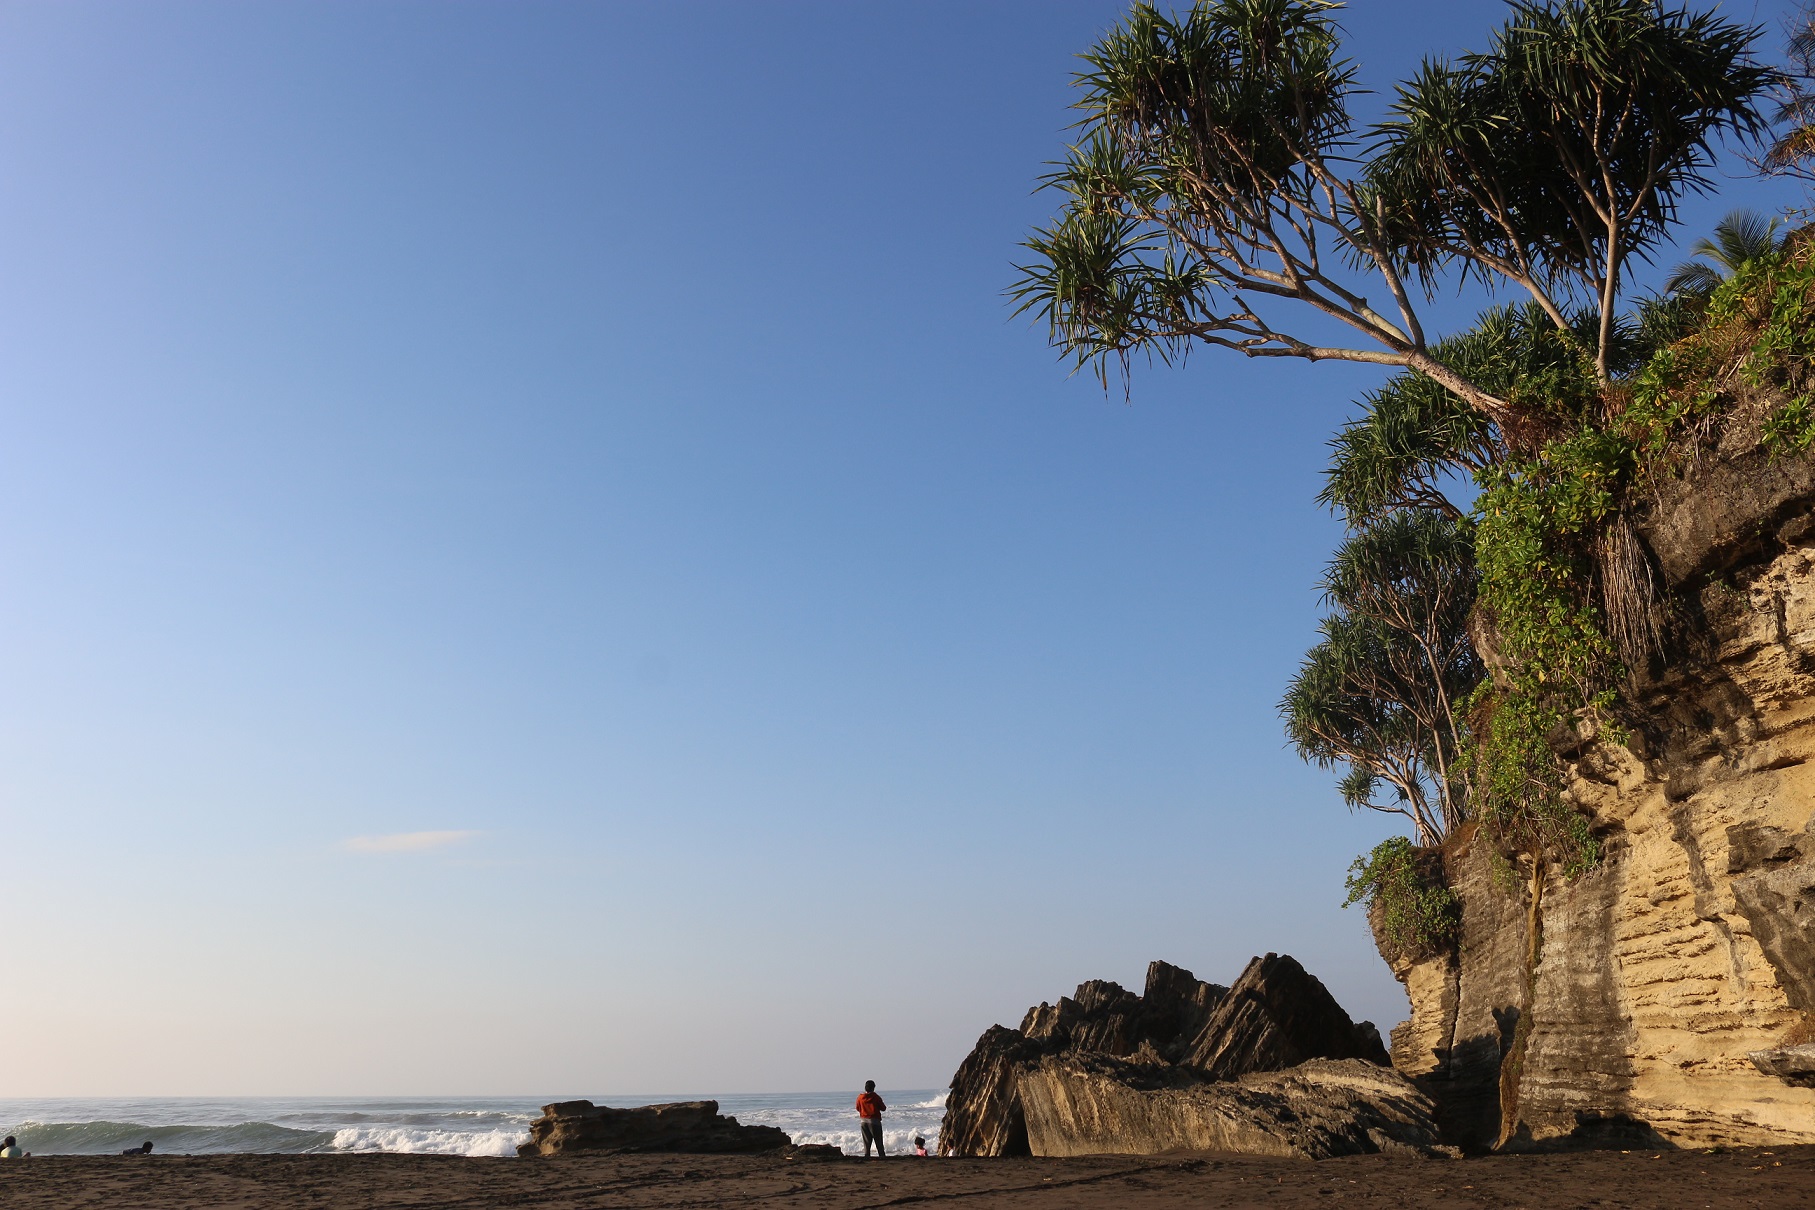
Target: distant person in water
145,1150
870,1109
919,1145
9,1150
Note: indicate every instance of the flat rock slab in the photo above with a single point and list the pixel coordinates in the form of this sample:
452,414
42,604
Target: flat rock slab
1088,1105
1607,1180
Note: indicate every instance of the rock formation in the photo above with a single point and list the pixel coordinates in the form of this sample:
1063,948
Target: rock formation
685,1126
1269,1066
1088,1104
1674,988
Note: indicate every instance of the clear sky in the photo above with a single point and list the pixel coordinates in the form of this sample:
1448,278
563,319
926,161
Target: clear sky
534,558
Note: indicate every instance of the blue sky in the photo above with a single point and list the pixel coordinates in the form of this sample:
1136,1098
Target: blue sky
594,435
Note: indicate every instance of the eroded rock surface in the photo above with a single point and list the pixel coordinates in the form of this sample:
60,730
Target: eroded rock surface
684,1126
1269,1066
1088,1104
1663,974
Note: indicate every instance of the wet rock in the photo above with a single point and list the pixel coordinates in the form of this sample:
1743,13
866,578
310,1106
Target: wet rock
685,1127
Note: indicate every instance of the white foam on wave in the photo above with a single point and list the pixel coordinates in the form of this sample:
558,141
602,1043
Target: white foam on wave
937,1102
414,1141
896,1142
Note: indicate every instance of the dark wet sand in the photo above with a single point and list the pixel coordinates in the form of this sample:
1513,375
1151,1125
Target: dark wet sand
1782,1177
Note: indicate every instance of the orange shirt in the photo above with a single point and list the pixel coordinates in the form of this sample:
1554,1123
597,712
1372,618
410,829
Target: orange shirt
869,1105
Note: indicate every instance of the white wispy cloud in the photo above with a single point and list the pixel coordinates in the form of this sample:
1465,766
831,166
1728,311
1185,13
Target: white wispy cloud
405,842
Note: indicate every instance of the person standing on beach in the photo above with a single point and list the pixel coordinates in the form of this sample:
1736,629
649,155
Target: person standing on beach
869,1110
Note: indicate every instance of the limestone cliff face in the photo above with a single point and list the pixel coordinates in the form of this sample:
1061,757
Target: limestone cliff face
1662,974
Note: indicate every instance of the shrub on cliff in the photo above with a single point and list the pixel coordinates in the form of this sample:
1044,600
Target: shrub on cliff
1413,912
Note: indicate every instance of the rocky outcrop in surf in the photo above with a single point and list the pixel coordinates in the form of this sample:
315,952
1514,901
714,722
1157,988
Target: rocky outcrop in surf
1271,1065
685,1126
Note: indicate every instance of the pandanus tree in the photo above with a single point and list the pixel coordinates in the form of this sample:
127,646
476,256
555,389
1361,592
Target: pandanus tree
1415,440
1220,187
1792,151
1382,693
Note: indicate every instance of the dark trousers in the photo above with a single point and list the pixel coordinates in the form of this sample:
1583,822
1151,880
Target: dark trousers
872,1129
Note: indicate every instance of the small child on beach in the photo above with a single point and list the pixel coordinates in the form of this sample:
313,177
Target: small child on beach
919,1146
9,1150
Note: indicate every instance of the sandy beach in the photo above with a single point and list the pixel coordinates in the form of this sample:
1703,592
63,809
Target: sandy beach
1750,1178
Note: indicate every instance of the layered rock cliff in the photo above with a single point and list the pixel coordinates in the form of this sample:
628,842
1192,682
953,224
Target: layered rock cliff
1674,983
1268,1066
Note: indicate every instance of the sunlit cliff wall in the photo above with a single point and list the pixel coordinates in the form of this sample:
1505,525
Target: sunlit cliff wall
1692,945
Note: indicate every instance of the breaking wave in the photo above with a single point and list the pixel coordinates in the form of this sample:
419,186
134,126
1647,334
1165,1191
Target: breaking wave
429,1142
111,1138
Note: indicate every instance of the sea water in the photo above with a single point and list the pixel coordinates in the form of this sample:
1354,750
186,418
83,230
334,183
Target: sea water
421,1125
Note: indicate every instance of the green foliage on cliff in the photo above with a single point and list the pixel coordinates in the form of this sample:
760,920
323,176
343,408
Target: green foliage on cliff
1220,190
1759,332
1563,585
1419,915
1537,520
1562,581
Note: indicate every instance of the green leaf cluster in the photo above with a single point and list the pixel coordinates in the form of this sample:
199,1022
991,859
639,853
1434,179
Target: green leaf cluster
1758,331
1415,432
1218,185
1473,148
1418,913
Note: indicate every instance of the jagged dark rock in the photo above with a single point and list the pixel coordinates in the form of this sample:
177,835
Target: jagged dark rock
983,1110
1739,506
685,1126
1791,1064
1277,1016
1178,1066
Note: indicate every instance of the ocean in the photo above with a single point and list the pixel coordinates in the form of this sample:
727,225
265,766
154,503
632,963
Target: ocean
422,1125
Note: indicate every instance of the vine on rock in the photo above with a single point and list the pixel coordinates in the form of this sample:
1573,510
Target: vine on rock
1539,520
1536,519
